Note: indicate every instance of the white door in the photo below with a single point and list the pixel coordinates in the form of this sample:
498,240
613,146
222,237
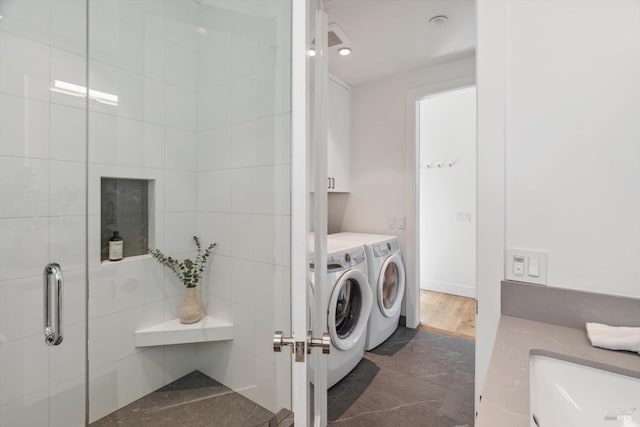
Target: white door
309,213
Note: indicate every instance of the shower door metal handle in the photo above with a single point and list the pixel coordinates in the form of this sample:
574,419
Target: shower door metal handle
53,281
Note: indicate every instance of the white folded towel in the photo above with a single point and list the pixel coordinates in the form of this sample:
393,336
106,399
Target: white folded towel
614,337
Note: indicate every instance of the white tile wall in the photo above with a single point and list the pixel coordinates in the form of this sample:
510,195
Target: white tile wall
244,190
203,102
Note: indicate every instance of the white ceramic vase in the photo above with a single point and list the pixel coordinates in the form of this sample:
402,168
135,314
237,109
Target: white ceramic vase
191,310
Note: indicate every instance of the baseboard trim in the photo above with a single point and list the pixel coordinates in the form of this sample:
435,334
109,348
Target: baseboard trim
450,288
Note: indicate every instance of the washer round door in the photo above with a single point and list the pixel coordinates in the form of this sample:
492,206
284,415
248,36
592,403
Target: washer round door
391,285
349,309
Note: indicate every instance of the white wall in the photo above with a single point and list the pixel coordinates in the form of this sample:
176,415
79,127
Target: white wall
448,194
383,159
559,92
573,157
379,147
145,54
243,200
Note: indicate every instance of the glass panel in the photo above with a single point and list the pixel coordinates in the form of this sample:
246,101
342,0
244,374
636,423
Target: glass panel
194,98
390,285
42,210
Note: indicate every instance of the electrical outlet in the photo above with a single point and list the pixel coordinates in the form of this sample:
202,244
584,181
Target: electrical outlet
463,217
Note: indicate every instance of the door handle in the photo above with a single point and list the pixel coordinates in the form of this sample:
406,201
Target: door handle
333,183
324,343
279,341
52,281
329,187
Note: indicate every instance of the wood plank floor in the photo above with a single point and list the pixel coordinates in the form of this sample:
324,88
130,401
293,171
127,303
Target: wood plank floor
448,314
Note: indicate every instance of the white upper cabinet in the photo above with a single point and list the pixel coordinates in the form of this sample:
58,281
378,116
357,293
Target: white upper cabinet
339,137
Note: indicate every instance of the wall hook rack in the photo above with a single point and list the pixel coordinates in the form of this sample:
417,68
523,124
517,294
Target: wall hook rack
440,164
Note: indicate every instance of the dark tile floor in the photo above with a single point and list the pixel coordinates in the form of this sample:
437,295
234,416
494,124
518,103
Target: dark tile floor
415,378
194,400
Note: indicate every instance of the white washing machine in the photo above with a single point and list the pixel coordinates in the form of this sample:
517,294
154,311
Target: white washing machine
387,280
348,302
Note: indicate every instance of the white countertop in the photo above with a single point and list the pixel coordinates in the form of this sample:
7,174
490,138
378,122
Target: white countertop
505,398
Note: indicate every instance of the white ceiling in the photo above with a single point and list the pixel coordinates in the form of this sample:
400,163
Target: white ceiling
392,36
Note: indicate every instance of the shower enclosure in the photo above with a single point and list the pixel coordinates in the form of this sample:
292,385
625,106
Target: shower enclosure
161,120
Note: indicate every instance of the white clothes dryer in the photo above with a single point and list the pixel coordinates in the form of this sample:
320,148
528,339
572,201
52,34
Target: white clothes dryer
387,280
348,303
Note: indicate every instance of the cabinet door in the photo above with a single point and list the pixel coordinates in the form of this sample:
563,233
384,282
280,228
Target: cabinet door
339,137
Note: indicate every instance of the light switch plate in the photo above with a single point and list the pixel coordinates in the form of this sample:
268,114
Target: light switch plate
391,222
402,223
525,265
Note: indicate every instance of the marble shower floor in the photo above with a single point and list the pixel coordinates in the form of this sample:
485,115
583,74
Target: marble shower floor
415,378
194,400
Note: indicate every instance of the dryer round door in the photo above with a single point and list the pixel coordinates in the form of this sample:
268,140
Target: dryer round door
349,309
390,287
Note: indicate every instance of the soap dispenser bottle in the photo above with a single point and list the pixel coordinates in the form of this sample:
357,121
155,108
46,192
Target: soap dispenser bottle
116,247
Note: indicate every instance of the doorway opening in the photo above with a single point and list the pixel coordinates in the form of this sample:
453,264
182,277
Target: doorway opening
446,141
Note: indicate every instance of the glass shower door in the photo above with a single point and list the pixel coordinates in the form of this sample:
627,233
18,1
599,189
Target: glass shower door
42,212
189,135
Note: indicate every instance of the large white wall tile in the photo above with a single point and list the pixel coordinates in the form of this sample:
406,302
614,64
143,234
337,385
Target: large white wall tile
75,295
153,56
180,227
128,86
153,102
27,18
24,182
68,359
214,65
68,241
68,133
24,246
115,41
25,127
181,149
69,26
181,22
243,291
24,67
262,142
261,94
250,54
244,328
28,376
124,286
20,312
69,68
179,360
214,107
271,190
215,227
181,108
180,191
111,336
64,406
181,66
242,183
67,188
214,191
214,149
242,236
28,411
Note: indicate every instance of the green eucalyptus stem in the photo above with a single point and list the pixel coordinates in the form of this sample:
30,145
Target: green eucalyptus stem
189,272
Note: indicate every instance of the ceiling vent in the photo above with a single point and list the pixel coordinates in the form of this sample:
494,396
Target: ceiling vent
336,37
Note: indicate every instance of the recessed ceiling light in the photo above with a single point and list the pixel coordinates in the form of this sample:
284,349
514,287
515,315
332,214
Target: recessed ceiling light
439,20
344,51
202,31
311,52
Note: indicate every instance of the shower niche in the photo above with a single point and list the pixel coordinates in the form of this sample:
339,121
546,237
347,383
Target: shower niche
126,208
